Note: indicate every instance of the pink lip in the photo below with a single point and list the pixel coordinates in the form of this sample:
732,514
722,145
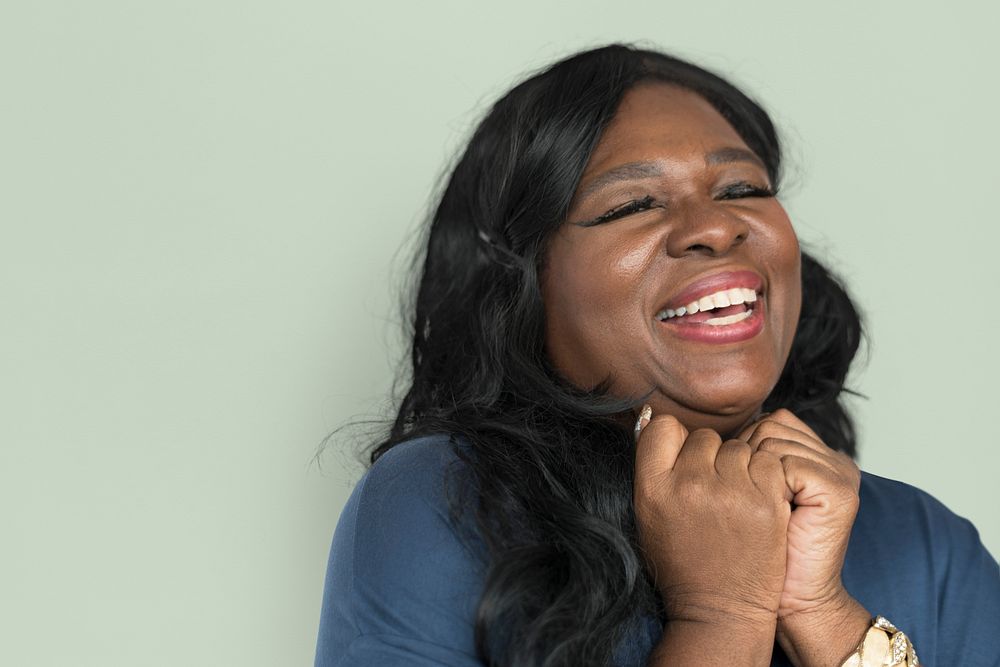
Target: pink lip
715,283
729,333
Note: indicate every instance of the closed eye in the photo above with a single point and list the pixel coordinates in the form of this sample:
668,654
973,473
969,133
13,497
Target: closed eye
628,208
744,190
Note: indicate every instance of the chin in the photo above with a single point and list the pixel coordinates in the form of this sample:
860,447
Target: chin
724,410
726,425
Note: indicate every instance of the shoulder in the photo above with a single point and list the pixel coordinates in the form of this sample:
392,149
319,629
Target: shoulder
410,534
906,514
403,564
415,493
883,495
914,524
915,561
414,467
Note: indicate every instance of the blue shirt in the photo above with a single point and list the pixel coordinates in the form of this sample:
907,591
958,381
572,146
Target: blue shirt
403,584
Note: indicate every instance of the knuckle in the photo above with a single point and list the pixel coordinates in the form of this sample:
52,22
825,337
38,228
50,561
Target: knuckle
693,492
769,445
767,430
763,430
766,462
850,467
764,457
665,424
761,512
783,414
646,496
735,448
706,434
853,501
663,420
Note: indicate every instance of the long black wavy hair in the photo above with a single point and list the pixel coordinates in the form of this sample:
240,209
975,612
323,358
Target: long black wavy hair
552,464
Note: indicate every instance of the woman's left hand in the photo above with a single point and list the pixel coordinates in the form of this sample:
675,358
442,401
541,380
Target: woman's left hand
816,615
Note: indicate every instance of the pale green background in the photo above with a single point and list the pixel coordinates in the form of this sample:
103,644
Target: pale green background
202,206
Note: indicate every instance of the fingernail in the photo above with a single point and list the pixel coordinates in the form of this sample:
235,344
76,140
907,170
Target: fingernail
644,416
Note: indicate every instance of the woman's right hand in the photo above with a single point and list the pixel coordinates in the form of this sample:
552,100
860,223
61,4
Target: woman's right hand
712,519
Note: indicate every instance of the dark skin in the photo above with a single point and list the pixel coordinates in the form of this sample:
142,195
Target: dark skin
604,284
716,483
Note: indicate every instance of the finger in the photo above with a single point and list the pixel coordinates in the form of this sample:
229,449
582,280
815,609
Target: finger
747,431
644,416
839,462
784,447
780,416
768,475
788,418
732,459
659,443
814,484
770,428
699,452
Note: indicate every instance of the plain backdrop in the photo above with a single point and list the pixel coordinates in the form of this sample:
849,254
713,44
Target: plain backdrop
205,207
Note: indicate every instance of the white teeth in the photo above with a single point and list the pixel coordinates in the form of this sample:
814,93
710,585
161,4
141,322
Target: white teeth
729,319
720,299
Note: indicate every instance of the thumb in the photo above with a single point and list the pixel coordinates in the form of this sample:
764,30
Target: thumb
811,483
659,443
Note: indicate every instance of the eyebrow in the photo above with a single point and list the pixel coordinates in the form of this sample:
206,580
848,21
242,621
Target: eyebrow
730,155
635,171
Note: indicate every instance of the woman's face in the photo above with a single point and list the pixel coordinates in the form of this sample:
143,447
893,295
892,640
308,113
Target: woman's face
673,215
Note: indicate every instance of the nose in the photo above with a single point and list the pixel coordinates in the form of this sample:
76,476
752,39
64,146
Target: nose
706,229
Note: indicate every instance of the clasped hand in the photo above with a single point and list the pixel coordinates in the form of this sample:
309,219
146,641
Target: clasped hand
745,532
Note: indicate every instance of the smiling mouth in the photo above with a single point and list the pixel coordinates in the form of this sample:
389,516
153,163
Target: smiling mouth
722,308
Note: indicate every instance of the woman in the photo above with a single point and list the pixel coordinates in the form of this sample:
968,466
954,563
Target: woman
623,441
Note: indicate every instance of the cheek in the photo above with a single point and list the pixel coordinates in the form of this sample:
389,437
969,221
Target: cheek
586,280
589,294
794,303
628,262
787,266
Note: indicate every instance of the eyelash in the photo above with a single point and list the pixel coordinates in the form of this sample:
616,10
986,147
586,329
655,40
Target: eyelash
741,190
628,208
734,191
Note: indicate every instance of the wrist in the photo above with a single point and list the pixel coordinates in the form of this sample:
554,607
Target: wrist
737,641
716,610
823,635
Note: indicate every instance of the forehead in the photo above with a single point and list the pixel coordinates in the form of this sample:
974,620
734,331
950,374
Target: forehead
661,121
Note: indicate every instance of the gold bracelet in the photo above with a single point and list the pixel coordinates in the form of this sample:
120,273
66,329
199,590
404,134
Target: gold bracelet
883,645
